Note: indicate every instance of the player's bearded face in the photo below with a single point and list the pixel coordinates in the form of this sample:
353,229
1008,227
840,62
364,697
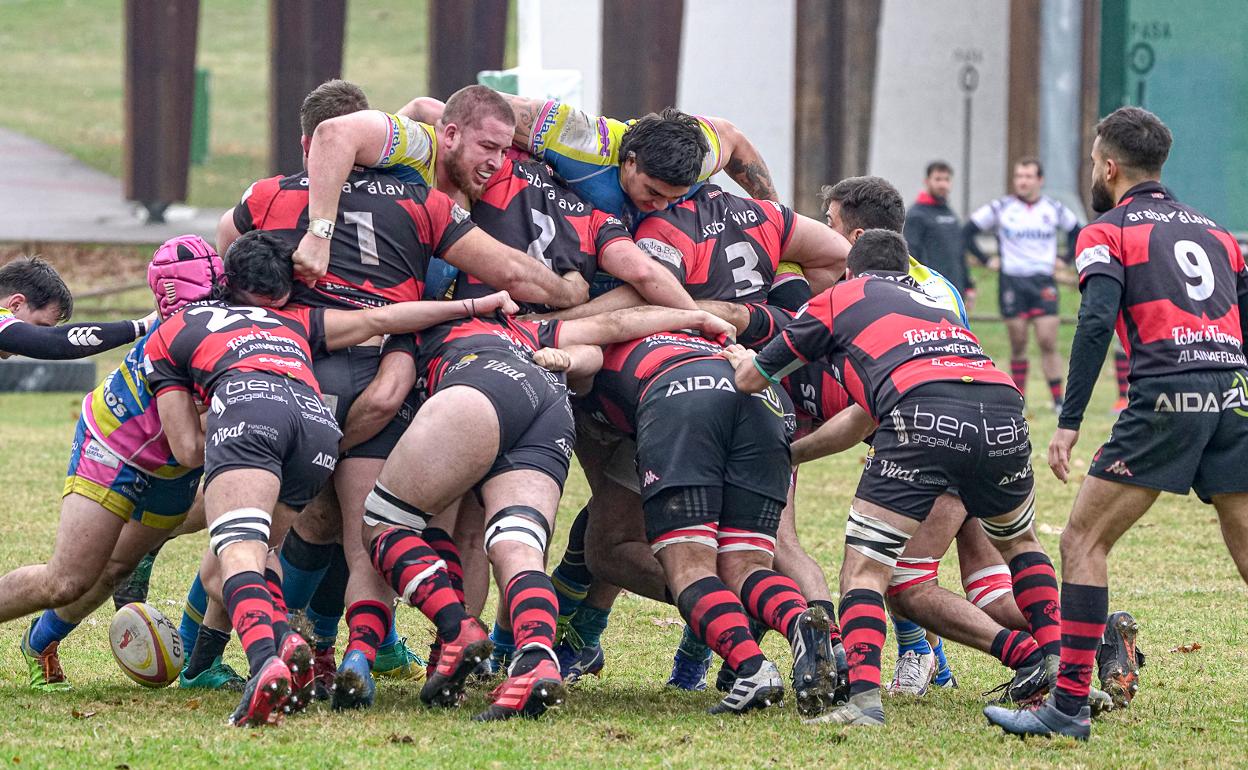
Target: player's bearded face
1102,196
476,154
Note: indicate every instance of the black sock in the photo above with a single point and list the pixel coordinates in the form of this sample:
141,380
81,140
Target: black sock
209,645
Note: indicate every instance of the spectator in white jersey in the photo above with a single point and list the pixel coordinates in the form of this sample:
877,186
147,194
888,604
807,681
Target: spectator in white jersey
1026,225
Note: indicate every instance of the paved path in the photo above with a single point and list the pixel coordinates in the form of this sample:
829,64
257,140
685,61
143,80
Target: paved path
49,196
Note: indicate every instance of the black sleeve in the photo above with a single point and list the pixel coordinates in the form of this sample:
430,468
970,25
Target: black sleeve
766,321
399,343
59,343
1072,238
1242,294
969,231
913,232
790,295
1098,312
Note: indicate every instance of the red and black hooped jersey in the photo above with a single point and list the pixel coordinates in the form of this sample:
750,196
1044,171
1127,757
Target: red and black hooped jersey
385,234
525,207
441,347
815,392
720,246
628,369
206,340
1181,275
882,336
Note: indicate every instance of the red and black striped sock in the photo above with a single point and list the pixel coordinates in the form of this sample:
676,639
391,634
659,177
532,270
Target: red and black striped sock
717,618
1055,390
444,545
281,618
1084,611
1018,371
774,599
1122,368
416,573
368,622
863,623
251,613
830,608
534,609
1016,649
1035,593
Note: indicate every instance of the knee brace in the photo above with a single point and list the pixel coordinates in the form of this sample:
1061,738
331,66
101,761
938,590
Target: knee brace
910,572
383,507
239,525
1002,530
874,538
518,523
985,586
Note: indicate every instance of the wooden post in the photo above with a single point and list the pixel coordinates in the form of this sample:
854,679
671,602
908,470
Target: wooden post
305,50
159,100
640,55
1023,132
835,52
1090,79
465,37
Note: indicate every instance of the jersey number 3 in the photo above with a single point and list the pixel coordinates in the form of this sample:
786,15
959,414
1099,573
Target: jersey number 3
747,272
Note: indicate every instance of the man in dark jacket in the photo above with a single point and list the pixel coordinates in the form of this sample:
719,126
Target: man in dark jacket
934,233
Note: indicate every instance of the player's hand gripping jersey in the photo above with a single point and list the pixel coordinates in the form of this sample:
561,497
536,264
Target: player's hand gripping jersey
1026,232
1182,277
385,235
585,151
882,336
524,207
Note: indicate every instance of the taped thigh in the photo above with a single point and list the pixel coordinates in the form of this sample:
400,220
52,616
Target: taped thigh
1002,529
874,538
384,508
912,571
518,524
985,586
238,526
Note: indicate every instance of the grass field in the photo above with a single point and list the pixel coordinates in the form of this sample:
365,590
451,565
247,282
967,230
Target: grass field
1171,571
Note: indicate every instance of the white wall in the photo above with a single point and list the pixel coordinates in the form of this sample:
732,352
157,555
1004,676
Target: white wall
919,106
572,39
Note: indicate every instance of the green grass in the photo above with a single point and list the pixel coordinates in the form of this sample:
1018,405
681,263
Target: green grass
1171,571
77,104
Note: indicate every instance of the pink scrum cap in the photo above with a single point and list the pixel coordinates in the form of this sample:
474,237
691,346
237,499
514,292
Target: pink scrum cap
184,269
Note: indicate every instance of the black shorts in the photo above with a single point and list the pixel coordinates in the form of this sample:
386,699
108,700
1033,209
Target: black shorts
949,435
345,374
695,429
1181,432
276,424
1027,296
537,431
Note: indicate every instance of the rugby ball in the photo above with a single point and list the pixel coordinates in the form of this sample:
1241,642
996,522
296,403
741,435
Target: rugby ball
146,644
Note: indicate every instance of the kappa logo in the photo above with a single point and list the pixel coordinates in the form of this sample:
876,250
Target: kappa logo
1119,468
84,336
700,382
649,478
565,445
325,460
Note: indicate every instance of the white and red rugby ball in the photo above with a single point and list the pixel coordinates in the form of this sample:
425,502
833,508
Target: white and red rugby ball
146,645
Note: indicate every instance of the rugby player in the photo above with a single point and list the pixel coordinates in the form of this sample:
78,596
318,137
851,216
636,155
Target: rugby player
270,441
1026,225
124,491
34,299
901,355
482,381
1174,284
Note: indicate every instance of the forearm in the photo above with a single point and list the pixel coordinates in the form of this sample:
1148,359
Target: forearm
330,159
619,298
59,343
182,426
525,278
526,111
424,109
969,232
1098,311
836,435
745,164
736,314
658,286
630,324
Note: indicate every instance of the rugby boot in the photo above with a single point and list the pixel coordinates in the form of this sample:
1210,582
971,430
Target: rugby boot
914,673
1118,661
814,663
690,673
297,655
397,661
324,666
264,697
354,687
765,688
842,674
435,652
1045,720
134,588
1031,685
574,663
861,710
527,695
46,674
456,660
218,676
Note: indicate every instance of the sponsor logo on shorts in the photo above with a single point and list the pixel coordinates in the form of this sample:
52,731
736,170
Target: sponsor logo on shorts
1233,398
325,460
1092,255
1119,468
891,470
93,451
224,434
700,382
504,368
649,478
1019,476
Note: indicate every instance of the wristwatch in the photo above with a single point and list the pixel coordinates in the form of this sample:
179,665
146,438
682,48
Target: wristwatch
321,228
